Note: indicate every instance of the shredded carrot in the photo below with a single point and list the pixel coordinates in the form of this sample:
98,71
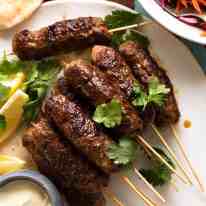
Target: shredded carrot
197,4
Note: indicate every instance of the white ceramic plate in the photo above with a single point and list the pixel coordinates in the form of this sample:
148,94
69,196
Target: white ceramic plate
187,76
171,23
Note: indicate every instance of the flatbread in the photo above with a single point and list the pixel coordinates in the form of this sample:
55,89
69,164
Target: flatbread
13,12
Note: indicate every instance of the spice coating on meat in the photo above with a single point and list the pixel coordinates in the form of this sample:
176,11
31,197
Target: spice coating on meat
62,163
110,61
89,81
79,129
64,35
144,68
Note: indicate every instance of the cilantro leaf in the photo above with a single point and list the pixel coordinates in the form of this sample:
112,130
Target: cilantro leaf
10,67
157,92
120,18
109,114
4,93
2,122
159,174
139,96
39,78
133,35
124,152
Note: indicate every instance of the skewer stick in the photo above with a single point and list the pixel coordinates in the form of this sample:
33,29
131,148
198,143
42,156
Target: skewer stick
146,199
112,197
183,150
144,142
129,27
149,185
171,152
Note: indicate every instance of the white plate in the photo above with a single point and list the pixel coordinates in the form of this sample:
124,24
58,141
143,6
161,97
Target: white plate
171,23
185,73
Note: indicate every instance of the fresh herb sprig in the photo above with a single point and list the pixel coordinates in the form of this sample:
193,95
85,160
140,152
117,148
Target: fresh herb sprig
156,94
109,114
124,152
129,35
120,18
159,174
40,75
39,78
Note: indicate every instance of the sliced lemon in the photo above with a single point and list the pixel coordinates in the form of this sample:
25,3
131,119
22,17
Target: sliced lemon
10,164
17,82
12,110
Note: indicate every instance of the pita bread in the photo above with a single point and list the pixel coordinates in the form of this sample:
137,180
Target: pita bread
13,12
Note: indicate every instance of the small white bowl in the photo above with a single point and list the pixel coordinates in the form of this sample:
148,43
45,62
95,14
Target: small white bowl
171,23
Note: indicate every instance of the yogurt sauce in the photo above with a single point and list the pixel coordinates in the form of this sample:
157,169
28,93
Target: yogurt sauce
23,193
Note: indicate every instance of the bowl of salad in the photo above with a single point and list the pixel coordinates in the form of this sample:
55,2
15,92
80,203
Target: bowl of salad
185,18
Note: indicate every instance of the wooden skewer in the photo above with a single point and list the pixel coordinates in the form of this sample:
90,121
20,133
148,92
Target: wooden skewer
171,152
146,199
129,27
141,139
183,150
149,185
112,197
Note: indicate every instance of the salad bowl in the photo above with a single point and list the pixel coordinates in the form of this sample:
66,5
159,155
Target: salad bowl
171,23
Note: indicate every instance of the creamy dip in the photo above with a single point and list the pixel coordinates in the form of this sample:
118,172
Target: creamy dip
23,193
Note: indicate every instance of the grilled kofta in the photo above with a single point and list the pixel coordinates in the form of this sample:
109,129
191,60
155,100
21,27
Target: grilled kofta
64,35
144,68
90,82
111,62
59,161
76,126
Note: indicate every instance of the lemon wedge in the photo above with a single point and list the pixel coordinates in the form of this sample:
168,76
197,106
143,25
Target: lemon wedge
10,164
17,82
12,110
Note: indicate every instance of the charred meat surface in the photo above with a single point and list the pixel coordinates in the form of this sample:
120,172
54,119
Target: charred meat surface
144,68
64,35
76,126
63,164
110,61
89,81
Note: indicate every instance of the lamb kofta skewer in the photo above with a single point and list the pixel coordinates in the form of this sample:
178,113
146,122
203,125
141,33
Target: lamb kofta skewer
90,82
110,61
64,35
63,164
76,126
144,68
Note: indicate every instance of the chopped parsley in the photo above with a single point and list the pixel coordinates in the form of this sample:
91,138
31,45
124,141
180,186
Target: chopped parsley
159,174
156,94
2,122
123,152
109,114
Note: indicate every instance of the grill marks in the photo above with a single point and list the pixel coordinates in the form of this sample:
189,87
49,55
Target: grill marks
79,129
144,67
64,35
63,164
89,81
